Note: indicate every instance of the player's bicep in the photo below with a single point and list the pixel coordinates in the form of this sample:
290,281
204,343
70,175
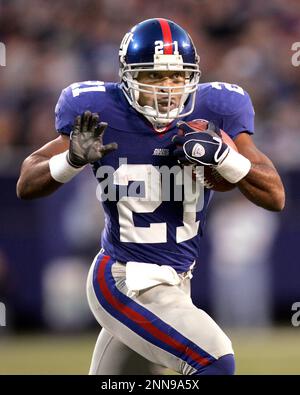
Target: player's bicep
247,147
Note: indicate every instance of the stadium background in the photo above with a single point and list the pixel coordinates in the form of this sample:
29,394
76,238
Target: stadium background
248,276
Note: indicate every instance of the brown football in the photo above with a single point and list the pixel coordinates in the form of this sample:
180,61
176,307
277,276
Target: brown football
212,179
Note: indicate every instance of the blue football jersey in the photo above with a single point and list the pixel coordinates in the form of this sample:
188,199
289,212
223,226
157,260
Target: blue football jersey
163,231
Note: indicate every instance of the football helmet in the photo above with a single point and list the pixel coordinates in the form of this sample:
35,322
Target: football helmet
159,45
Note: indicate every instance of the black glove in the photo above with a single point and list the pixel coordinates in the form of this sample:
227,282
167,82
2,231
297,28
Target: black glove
86,140
200,148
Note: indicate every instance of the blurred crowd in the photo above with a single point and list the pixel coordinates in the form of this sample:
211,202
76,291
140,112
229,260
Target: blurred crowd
52,44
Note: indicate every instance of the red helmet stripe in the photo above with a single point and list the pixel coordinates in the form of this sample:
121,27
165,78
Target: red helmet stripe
167,36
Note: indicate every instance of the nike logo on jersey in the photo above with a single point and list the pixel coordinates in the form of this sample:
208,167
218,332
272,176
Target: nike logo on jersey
161,152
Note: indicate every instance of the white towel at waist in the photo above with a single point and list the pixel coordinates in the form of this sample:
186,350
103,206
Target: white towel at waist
141,275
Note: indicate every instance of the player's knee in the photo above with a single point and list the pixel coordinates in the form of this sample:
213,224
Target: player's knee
221,345
225,365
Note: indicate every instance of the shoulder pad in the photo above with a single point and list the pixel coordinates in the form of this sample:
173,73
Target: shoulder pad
77,98
223,98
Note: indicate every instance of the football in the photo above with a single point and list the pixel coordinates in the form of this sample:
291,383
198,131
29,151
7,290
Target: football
212,179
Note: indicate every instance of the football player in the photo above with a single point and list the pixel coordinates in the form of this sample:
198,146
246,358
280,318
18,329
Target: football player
139,283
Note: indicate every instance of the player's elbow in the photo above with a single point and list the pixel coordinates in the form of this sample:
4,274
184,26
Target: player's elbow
24,188
22,191
277,200
26,184
280,202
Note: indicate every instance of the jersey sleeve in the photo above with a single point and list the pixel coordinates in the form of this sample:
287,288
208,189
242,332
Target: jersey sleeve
229,105
77,98
65,112
242,120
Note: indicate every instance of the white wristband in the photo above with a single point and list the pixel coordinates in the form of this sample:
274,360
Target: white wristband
234,167
61,170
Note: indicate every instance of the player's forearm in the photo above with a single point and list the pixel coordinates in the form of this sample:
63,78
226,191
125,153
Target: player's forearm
263,187
35,179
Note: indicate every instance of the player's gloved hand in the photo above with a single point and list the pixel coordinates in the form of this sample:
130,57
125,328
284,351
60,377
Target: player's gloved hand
200,148
86,140
207,148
